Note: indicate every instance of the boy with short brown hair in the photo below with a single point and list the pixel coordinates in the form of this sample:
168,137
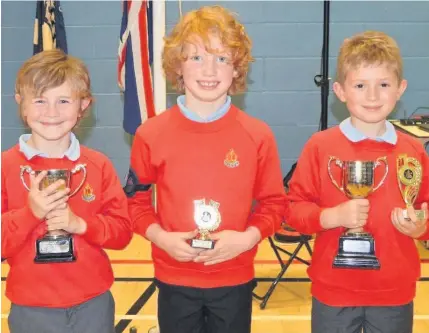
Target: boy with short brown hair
53,93
348,299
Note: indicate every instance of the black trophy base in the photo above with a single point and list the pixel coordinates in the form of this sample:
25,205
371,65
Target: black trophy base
356,251
54,249
207,244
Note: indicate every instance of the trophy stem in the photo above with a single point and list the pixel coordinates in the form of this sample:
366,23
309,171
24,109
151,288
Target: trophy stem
56,234
204,235
356,231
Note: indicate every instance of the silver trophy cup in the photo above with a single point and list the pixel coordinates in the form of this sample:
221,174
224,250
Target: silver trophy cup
357,247
57,245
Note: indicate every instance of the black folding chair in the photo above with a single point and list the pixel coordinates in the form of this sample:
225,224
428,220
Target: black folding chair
286,235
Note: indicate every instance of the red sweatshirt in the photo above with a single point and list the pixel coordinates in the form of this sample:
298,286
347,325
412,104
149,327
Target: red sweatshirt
101,202
311,190
233,161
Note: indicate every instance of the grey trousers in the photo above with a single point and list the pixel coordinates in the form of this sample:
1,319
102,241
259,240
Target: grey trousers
94,316
366,319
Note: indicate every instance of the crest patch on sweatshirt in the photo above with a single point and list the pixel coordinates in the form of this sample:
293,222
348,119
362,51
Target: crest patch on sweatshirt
231,159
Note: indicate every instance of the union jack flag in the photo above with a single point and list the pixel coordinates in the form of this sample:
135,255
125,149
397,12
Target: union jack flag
134,73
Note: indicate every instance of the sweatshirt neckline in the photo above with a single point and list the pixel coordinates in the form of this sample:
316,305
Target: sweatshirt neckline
213,126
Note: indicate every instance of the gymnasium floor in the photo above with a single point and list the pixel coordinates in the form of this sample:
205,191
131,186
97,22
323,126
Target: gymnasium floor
288,310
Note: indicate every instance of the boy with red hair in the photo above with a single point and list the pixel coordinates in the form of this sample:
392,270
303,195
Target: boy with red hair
209,161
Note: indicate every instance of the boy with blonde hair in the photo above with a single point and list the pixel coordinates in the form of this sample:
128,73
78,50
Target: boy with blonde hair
370,82
209,161
53,93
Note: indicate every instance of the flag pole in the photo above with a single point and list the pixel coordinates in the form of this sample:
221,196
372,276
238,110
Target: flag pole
159,83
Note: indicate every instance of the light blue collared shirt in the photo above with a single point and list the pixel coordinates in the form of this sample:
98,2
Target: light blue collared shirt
195,117
354,135
72,153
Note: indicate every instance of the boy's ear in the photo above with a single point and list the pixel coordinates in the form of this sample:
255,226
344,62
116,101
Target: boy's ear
84,103
235,74
18,99
402,86
339,91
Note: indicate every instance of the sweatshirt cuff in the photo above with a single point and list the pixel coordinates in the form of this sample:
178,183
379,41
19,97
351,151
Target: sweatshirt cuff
26,214
93,229
264,228
314,221
141,228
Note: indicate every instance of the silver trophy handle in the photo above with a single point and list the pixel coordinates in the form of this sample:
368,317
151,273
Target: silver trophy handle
377,163
24,169
340,164
73,171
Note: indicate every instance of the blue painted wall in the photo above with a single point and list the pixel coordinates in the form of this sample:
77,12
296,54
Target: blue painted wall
287,40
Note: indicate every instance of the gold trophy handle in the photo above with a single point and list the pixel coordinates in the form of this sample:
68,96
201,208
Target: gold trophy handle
411,194
73,171
24,169
340,164
378,161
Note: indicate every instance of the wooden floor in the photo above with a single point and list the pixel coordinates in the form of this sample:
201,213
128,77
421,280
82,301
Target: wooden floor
288,310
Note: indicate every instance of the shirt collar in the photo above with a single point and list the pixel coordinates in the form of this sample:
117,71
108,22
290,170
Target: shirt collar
195,117
354,135
72,153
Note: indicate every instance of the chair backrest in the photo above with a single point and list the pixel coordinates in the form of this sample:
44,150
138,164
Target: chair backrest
288,176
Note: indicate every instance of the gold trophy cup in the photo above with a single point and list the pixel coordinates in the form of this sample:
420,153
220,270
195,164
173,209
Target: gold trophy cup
357,247
57,245
207,219
409,172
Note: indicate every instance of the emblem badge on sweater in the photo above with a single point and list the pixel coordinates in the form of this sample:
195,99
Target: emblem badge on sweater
88,193
231,159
